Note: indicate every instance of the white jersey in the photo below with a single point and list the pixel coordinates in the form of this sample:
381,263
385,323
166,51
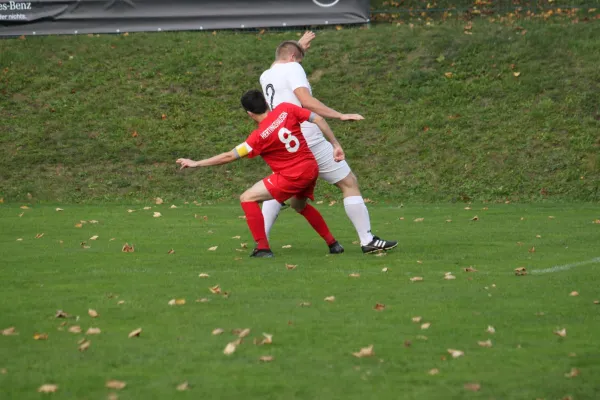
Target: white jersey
278,85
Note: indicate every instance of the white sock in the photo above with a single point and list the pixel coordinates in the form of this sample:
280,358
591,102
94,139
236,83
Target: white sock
359,215
270,211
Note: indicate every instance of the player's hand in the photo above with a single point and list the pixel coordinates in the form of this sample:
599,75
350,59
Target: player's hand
351,117
186,163
305,40
338,154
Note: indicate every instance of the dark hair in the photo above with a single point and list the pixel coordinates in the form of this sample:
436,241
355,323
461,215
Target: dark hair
254,101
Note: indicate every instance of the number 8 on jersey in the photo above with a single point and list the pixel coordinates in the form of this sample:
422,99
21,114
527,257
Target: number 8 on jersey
292,144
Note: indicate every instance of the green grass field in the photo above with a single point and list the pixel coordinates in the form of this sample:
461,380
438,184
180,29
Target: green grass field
312,344
82,117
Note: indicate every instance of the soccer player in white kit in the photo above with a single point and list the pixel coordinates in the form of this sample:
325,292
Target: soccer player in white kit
286,81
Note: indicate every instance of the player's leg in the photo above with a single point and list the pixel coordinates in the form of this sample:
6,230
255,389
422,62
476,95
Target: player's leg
254,218
358,213
340,175
270,211
315,219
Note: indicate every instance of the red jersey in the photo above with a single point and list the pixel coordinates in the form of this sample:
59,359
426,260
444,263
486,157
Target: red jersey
280,142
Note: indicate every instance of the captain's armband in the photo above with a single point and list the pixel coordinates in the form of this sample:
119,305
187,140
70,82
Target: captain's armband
242,150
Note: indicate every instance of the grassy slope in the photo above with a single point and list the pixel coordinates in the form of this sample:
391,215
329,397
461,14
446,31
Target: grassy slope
67,123
312,345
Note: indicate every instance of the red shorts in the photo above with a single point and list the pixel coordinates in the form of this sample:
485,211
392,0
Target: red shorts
282,188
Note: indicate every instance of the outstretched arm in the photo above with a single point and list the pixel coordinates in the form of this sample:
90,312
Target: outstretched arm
305,40
223,158
314,105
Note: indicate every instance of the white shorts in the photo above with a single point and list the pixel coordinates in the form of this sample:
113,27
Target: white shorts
329,169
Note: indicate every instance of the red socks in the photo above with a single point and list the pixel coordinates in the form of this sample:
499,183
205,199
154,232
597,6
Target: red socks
315,219
256,223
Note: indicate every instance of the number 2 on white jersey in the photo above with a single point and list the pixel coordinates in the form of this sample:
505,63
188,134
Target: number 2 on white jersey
292,144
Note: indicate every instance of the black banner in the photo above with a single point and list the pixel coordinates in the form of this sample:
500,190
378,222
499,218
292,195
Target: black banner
45,17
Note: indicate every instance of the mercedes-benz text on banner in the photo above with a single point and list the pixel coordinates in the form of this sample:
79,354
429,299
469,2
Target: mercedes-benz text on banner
117,16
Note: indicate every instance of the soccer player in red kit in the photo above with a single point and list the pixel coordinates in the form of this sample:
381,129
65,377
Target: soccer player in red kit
279,141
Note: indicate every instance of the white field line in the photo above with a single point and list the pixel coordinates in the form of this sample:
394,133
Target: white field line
565,267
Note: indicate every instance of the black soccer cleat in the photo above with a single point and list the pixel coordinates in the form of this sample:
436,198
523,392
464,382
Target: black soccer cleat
378,244
262,253
336,248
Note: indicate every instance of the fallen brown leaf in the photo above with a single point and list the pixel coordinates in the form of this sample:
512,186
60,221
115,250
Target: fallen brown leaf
448,220
456,353
243,333
24,208
433,371
419,262
574,293
304,304
268,338
330,299
448,75
203,275
354,275
40,336
203,300
473,387
173,206
449,276
532,249
92,313
158,201
244,245
332,203
127,248
157,214
573,373
419,220
470,269
74,329
183,386
114,384
230,348
379,307
213,248
147,208
93,331
61,314
416,319
562,332
171,251
490,329
487,343
48,388
266,358
287,246
416,279
426,325
39,235
236,237
178,302
520,271
290,266
217,331
386,269
215,289
596,301
10,331
85,345
135,333
364,352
